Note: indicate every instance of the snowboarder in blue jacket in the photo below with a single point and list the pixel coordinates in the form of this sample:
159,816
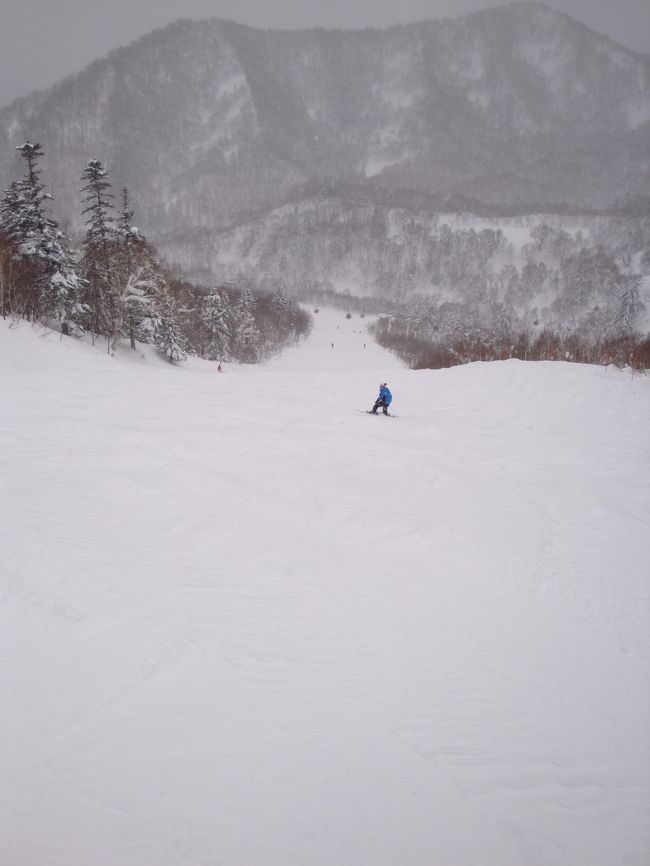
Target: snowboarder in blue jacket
384,399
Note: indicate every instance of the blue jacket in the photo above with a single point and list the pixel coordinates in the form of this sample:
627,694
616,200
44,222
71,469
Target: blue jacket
385,395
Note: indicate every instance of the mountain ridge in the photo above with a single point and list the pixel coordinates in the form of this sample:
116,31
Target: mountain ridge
204,121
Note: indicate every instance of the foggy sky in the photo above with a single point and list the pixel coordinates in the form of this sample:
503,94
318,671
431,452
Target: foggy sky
41,41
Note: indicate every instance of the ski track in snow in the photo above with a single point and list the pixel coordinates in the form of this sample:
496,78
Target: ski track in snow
243,624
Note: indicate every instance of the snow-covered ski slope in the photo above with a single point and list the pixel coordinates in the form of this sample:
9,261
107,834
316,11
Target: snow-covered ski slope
244,624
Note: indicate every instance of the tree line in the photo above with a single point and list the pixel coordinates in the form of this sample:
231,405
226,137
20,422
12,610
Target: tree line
551,267
430,334
113,286
453,289
570,300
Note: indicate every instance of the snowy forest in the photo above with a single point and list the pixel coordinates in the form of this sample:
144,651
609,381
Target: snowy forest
456,287
113,286
560,296
449,288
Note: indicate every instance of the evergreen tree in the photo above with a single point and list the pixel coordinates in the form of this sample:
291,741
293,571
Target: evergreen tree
31,223
284,310
630,305
18,277
137,302
169,339
246,337
97,249
128,238
8,276
127,232
54,284
11,211
216,315
140,281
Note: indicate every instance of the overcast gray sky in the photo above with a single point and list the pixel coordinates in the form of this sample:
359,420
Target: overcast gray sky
41,41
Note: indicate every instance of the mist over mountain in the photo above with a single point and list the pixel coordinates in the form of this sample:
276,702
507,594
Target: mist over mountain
213,125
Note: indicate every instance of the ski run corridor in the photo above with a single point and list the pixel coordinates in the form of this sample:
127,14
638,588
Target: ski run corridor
243,624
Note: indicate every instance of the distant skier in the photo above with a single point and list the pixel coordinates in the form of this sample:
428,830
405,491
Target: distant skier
384,399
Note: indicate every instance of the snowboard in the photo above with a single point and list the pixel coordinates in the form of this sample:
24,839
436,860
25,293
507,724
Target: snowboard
369,412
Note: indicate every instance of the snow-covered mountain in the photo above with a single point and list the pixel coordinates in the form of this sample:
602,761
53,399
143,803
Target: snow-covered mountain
242,623
211,123
333,244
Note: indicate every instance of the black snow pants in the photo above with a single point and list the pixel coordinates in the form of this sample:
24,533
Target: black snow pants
379,402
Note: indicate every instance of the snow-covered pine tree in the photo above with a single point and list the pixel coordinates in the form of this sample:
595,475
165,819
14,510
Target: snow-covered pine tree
11,210
169,338
128,238
246,337
30,222
284,310
140,281
630,305
217,315
97,251
128,233
18,273
50,279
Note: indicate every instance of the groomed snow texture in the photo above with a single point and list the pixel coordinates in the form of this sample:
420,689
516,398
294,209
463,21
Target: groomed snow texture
243,624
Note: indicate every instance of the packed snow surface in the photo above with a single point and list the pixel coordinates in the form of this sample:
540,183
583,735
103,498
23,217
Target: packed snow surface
244,624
